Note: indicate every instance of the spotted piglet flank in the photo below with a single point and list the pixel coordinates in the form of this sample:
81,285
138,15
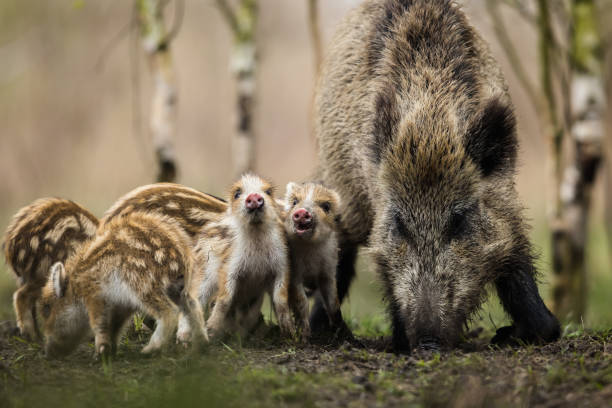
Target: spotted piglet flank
244,255
48,230
190,208
311,218
138,262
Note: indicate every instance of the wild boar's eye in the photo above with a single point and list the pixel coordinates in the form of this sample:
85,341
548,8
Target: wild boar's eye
458,224
237,193
398,227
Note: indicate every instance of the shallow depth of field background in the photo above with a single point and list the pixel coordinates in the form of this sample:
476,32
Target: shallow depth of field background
67,117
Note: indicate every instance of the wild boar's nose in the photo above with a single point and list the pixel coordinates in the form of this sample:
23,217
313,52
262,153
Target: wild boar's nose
302,215
254,201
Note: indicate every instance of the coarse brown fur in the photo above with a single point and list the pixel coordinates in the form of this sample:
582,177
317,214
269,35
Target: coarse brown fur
417,133
244,256
47,231
311,218
136,262
190,208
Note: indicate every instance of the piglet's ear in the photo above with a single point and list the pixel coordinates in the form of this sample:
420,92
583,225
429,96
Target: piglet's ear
288,192
58,277
290,187
491,139
336,198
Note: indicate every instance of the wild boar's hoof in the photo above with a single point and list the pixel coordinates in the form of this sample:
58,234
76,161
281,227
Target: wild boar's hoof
319,322
514,336
428,343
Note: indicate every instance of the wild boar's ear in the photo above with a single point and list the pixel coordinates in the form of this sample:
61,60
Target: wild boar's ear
491,139
58,277
386,122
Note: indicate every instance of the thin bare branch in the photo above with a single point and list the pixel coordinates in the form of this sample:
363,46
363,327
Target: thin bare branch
515,61
522,8
229,15
113,42
179,13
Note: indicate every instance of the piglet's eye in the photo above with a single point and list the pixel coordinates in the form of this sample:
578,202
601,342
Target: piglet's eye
237,194
326,207
295,201
269,191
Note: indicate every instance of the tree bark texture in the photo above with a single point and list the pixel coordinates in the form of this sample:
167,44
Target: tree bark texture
570,225
242,21
155,40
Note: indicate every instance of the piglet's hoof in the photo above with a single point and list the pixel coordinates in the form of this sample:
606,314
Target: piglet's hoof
150,349
103,352
183,338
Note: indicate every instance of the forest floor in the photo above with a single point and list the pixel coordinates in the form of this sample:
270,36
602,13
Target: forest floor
575,371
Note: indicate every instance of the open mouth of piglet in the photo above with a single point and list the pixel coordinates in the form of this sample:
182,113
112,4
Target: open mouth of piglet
303,227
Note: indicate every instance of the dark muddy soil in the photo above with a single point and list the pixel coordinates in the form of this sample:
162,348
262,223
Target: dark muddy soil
575,371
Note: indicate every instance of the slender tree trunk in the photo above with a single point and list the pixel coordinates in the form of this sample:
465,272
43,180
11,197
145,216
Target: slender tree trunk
605,16
315,32
587,108
155,40
243,23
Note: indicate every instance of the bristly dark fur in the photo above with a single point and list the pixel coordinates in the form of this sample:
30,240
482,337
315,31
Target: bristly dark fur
417,134
492,141
413,34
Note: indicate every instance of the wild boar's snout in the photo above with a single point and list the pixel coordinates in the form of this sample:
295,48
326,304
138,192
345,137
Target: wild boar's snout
426,331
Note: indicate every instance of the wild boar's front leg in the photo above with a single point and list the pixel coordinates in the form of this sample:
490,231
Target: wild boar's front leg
518,292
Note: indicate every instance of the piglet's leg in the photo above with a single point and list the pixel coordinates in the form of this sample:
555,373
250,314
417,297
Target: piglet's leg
299,304
193,315
118,319
218,320
23,302
327,288
183,334
99,320
166,323
251,316
280,299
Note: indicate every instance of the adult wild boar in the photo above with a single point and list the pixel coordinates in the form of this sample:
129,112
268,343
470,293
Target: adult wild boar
416,132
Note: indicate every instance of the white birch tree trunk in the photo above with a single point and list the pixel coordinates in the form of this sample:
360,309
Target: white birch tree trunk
163,118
